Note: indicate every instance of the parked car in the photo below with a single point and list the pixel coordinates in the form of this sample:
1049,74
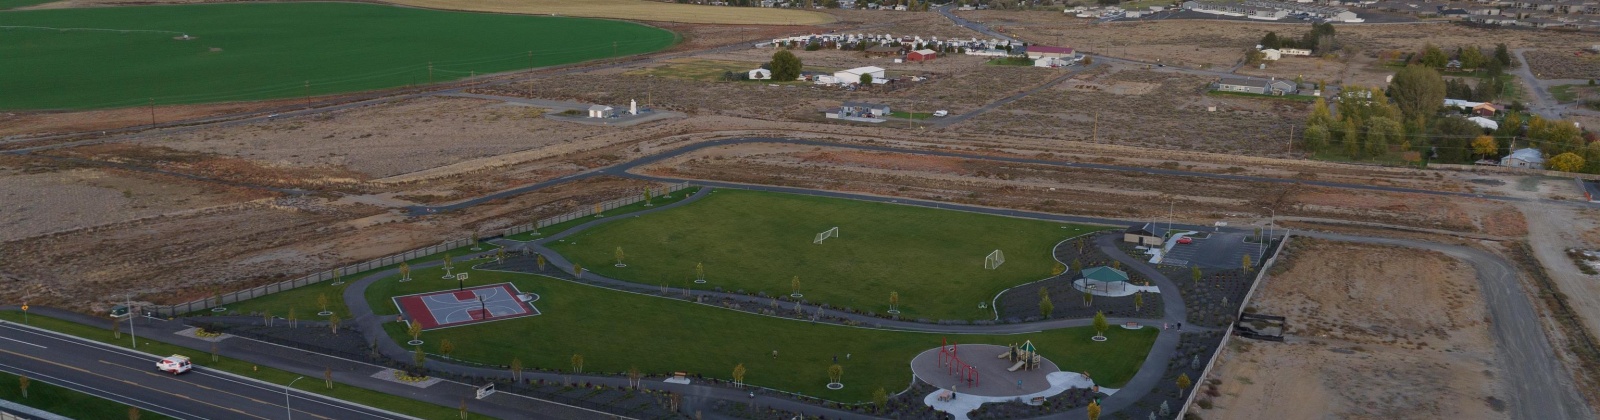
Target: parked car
1185,240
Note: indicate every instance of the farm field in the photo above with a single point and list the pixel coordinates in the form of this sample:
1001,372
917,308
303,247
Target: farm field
131,56
759,241
615,331
634,10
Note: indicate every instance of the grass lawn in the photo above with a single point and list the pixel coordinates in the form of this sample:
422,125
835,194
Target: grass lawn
635,10
238,367
13,4
303,300
559,227
65,402
911,115
264,51
1011,61
615,331
759,241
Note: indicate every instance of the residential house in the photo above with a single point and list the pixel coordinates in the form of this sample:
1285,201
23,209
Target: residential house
1271,54
883,50
1529,158
1259,87
859,111
1484,109
1144,234
1295,51
921,55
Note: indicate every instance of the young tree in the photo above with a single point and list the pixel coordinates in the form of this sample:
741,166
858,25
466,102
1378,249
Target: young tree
419,358
835,373
700,271
213,352
474,239
633,377
23,382
577,270
1057,269
327,377
1245,263
738,375
1567,162
619,255
516,369
794,284
116,330
1138,300
1094,410
1183,383
577,363
322,301
1045,306
1418,92
446,347
462,410
415,330
1100,324
405,271
894,300
294,321
785,66
647,197
1077,266
1485,145
1194,273
539,259
880,399
333,323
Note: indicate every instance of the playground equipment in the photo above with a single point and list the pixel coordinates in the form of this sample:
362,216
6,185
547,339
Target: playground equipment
1025,356
950,360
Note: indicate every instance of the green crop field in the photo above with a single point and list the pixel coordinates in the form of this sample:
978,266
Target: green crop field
126,56
615,331
759,241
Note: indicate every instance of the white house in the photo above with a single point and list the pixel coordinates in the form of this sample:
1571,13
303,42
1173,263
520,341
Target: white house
1524,158
853,76
760,74
1295,51
1271,54
601,111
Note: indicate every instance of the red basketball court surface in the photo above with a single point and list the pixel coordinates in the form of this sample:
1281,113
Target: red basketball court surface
453,308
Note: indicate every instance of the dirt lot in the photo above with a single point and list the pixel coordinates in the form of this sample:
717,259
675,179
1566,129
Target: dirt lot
390,139
1080,191
1569,63
1360,348
38,196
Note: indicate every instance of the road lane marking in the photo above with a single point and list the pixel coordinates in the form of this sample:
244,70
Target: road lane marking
163,410
212,389
23,342
128,382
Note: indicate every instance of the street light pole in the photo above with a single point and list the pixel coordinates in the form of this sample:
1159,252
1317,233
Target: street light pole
131,313
287,413
1271,224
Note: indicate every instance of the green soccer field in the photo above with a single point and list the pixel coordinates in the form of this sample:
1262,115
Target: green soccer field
759,241
125,56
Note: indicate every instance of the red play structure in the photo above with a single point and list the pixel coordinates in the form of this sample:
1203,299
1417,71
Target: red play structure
949,359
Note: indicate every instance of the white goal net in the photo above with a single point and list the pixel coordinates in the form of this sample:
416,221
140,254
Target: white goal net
994,260
830,233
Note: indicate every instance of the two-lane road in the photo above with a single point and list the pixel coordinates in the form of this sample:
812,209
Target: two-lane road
130,377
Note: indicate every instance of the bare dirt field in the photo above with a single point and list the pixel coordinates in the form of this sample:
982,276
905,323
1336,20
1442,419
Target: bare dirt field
390,139
1563,63
1359,346
923,24
39,196
43,123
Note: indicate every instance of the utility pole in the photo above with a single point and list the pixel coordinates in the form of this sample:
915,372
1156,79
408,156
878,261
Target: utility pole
131,314
1290,141
152,112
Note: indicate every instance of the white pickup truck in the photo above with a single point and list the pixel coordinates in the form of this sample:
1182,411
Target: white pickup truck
174,364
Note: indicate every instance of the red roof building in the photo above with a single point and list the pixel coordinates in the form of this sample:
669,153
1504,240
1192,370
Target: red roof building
921,55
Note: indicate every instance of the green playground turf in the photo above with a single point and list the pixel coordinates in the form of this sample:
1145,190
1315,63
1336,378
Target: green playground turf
619,211
759,241
615,331
125,56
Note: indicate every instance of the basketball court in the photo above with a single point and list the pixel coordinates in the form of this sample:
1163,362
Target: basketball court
452,308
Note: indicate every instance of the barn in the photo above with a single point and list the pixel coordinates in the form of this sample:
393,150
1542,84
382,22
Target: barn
921,55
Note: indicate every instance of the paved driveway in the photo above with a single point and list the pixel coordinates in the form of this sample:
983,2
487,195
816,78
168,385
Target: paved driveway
1219,250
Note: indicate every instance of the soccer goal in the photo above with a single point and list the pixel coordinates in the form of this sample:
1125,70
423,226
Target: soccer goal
830,233
994,260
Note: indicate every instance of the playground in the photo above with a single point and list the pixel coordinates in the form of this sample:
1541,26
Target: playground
452,308
985,370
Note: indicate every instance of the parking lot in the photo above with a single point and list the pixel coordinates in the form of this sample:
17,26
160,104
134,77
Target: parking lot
1214,250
